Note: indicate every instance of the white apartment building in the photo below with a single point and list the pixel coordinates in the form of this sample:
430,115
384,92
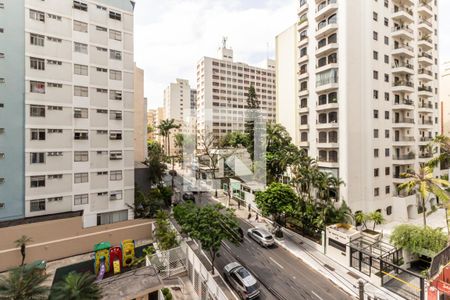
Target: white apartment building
445,99
222,88
78,127
177,100
364,100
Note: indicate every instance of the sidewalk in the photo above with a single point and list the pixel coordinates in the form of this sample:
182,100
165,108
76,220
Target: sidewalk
303,249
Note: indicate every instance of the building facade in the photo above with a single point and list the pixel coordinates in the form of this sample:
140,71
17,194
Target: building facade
366,101
222,89
68,118
445,99
140,117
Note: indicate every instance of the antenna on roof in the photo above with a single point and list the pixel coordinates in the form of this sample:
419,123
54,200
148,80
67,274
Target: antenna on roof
224,42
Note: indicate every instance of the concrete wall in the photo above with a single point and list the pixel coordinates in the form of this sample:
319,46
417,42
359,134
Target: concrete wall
57,239
140,117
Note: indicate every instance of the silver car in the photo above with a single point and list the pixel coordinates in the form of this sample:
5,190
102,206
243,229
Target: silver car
261,236
242,281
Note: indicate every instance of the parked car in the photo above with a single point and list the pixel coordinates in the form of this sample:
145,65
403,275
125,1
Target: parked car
261,236
189,197
242,281
240,233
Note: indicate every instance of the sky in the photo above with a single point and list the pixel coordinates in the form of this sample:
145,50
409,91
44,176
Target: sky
171,36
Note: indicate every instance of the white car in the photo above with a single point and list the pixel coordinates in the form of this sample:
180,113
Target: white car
242,281
261,236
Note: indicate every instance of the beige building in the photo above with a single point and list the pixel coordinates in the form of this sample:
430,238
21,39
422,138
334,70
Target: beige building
445,99
364,100
151,123
222,88
140,116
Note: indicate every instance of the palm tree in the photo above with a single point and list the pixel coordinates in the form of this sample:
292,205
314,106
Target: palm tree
22,283
442,142
164,129
425,183
77,286
376,217
22,244
361,218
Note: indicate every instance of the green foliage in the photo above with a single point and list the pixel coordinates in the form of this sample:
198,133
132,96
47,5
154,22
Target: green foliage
164,234
22,284
210,225
417,240
377,218
147,204
278,199
140,261
164,130
155,163
361,219
77,286
167,294
252,114
234,139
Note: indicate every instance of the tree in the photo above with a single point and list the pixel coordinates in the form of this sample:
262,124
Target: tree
361,218
22,244
253,107
425,183
147,204
23,283
77,286
164,234
277,200
210,225
164,129
155,163
377,218
442,144
422,241
234,139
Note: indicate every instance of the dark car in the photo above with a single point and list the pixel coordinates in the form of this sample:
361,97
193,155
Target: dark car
189,197
242,281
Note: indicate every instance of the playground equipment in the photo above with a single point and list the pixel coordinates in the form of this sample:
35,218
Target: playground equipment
127,252
115,259
102,269
101,251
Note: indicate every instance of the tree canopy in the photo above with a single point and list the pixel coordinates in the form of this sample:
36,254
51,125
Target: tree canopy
155,162
77,286
278,199
23,283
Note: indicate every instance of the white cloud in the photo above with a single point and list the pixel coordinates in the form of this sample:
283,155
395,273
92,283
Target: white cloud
172,35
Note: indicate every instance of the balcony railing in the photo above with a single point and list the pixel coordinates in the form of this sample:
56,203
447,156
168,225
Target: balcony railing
424,88
325,4
404,102
425,105
425,71
403,46
406,28
426,122
426,55
426,40
403,65
421,21
403,83
404,157
425,155
406,10
404,120
425,6
404,139
426,139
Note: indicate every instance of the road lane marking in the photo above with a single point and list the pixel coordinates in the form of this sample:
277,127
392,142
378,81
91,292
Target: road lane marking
316,295
275,262
226,246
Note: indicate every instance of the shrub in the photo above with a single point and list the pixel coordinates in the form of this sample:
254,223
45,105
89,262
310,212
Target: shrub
418,240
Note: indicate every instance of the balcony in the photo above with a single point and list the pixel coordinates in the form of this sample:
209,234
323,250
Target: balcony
425,91
327,106
404,157
302,23
425,27
402,68
406,104
303,41
303,7
405,3
326,28
402,32
425,43
425,75
303,74
303,92
425,140
327,8
427,107
402,50
404,140
303,59
327,49
403,15
426,123
403,86
425,59
425,155
304,144
424,10
330,125
403,123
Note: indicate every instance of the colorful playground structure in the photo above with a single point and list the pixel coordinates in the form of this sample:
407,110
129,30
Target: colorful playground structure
114,259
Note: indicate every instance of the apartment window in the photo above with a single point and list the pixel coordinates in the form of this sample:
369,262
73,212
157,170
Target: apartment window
2,5
103,70
115,115
80,70
102,131
376,172
375,36
115,95
37,181
37,158
80,91
386,59
54,17
115,75
102,91
389,210
386,3
376,192
115,195
81,177
81,199
80,26
100,28
54,62
53,39
115,35
55,176
2,155
375,133
80,47
115,16
115,135
101,49
37,63
54,85
80,5
102,111
386,133
37,205
386,96
114,54
38,134
37,39
80,113
115,175
53,199
386,40
387,171
101,7
386,22
375,113
2,55
387,152
54,154
81,156
375,75
386,115
376,152
375,16
54,130
112,217
387,189
81,135
375,94
115,155
37,111
375,55
37,15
